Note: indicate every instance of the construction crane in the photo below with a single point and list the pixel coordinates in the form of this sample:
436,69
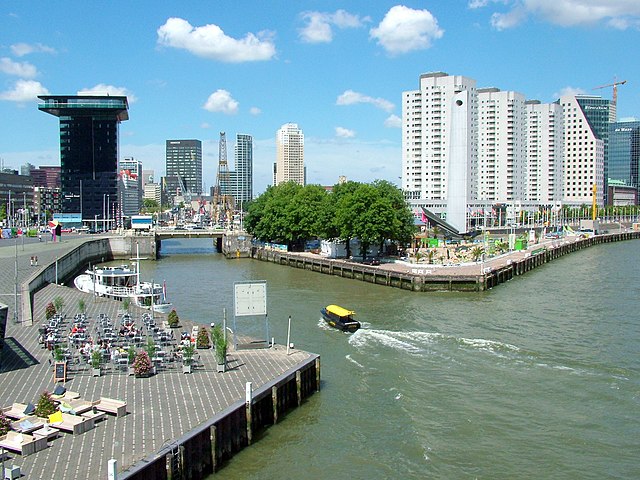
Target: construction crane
615,88
222,198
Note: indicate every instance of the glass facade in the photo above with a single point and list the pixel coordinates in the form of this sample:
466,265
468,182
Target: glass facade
624,153
88,150
242,178
184,160
598,113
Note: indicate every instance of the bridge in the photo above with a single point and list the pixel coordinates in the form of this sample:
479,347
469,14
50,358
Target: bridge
232,243
163,234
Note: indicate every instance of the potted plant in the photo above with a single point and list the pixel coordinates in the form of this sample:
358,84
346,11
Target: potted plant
221,349
202,340
50,310
131,356
173,319
45,406
58,354
187,358
142,366
96,360
58,302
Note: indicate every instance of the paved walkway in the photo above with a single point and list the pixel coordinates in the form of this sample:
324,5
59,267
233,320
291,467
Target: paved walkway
160,408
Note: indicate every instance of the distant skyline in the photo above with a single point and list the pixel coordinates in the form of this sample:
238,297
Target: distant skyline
191,70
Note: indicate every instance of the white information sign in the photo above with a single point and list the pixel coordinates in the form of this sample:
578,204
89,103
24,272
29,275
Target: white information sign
250,298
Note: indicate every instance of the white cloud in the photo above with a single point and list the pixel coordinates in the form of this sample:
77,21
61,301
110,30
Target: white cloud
205,125
103,89
345,132
24,91
209,41
393,121
23,70
221,101
618,14
255,111
571,91
404,29
22,49
319,26
349,97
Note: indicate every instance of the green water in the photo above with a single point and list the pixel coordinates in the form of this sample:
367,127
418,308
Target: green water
538,378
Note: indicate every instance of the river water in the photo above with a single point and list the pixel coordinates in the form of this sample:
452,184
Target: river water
537,378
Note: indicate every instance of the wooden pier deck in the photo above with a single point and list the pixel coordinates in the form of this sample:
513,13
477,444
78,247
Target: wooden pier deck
160,409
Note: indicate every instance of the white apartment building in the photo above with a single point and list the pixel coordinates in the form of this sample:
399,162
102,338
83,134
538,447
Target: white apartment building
289,163
545,151
502,146
439,144
584,151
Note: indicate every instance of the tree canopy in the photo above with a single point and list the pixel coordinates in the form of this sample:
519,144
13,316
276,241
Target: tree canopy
290,213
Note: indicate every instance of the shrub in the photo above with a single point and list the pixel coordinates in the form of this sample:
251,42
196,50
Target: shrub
202,340
220,344
82,306
142,364
96,359
131,354
5,424
50,310
46,405
173,318
150,348
58,302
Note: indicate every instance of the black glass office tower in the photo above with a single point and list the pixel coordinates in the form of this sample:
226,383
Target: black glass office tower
624,153
88,150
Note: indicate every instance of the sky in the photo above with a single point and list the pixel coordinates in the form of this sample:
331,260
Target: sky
194,69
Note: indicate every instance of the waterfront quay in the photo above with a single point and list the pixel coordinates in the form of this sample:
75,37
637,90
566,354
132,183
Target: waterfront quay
176,425
425,277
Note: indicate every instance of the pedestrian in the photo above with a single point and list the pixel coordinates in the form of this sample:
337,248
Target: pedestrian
36,260
31,261
39,236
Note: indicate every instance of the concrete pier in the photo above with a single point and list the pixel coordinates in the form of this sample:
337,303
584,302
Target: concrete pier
425,277
177,425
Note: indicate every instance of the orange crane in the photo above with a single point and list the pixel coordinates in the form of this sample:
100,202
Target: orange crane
615,88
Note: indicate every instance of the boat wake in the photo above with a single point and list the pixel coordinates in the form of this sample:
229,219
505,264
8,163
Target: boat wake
453,349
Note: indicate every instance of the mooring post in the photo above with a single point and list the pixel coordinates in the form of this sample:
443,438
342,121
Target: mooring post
317,374
299,386
168,465
214,441
182,463
248,402
274,402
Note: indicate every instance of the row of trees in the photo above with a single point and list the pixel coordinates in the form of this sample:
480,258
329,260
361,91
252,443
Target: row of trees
290,214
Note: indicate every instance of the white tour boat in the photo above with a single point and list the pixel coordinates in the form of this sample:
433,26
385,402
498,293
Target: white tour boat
124,282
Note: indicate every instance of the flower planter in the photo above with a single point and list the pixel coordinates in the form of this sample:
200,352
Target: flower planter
186,368
95,372
221,367
131,371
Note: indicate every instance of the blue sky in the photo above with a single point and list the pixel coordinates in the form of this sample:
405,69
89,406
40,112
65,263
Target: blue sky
337,69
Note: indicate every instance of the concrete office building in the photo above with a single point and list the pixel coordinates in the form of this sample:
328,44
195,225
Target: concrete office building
88,149
545,152
502,146
289,165
585,120
439,145
184,160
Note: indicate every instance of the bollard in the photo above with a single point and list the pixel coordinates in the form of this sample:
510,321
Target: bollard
248,402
